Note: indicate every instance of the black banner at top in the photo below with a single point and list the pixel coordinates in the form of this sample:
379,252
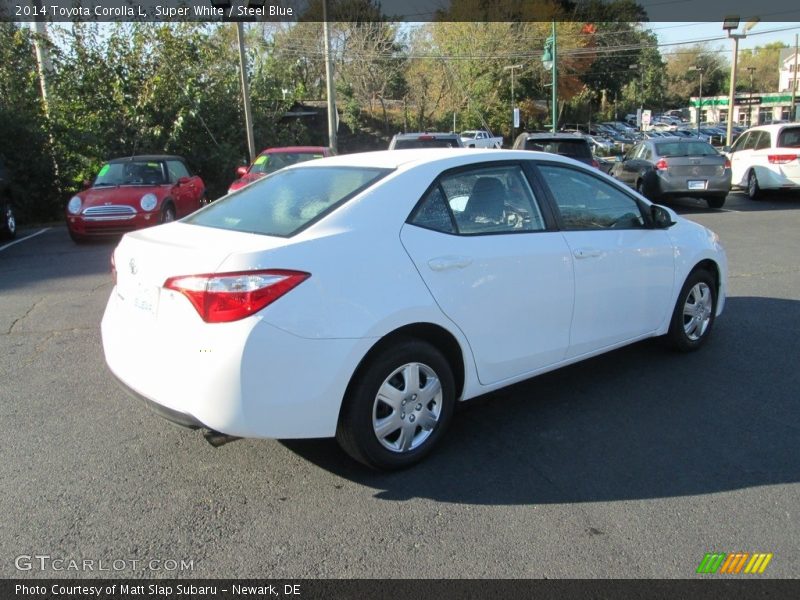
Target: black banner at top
776,11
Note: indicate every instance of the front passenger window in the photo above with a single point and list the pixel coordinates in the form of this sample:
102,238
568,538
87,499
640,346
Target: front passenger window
586,202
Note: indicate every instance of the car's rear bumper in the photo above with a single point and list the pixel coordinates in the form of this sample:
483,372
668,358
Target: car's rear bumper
679,186
246,378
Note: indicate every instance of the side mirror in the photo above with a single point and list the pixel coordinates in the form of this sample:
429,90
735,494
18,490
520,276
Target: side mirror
241,171
618,158
661,217
86,184
726,148
183,180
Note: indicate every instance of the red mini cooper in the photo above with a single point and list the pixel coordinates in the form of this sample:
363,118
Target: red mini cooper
134,192
272,159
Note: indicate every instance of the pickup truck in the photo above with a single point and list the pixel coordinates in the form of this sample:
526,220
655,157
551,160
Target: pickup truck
480,139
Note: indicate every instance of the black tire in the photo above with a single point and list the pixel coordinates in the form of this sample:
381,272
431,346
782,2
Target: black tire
715,201
8,222
690,330
362,408
641,188
77,238
753,189
167,212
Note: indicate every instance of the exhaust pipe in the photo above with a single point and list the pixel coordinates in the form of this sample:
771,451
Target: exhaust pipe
217,439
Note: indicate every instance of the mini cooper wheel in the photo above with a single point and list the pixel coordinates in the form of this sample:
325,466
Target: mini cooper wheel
168,213
398,406
8,223
753,189
694,313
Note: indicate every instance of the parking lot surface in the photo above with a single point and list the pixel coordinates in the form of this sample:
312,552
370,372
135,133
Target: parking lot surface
633,464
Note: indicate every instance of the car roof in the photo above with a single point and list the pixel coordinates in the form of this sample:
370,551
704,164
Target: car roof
774,127
146,157
416,135
553,136
294,149
405,159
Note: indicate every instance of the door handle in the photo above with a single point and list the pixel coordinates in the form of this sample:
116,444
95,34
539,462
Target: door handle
444,263
586,253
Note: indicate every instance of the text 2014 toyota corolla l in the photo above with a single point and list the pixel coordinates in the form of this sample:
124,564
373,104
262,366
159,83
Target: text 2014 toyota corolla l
361,296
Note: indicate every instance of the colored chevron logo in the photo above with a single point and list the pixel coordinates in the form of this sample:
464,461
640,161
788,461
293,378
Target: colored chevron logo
734,563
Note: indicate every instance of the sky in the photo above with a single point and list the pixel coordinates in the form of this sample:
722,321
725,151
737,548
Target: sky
688,33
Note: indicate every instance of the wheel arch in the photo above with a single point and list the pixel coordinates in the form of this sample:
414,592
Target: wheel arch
436,335
711,267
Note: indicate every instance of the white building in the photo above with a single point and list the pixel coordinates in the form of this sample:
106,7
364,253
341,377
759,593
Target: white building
748,109
787,68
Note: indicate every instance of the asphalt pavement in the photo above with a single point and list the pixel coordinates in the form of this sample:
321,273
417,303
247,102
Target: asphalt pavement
633,464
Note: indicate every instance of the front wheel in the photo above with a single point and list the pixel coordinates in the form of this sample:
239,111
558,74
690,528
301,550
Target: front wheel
168,213
693,317
8,223
398,406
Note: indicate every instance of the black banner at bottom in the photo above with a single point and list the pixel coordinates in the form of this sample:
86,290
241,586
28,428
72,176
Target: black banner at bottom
388,589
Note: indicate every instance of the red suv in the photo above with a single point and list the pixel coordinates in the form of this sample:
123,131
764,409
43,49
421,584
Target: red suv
132,193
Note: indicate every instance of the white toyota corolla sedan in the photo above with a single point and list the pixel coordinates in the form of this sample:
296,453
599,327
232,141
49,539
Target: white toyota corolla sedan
361,296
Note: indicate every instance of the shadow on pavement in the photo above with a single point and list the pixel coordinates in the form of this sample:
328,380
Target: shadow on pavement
642,422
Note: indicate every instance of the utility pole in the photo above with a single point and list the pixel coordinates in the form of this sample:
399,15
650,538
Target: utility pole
329,78
792,114
750,70
512,68
248,115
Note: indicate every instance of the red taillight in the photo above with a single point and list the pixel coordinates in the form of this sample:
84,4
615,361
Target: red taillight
225,297
113,269
780,159
727,163
662,165
426,137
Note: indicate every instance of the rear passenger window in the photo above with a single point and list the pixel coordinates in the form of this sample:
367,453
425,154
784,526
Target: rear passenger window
480,201
432,213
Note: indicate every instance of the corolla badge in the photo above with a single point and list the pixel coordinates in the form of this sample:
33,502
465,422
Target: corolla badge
132,265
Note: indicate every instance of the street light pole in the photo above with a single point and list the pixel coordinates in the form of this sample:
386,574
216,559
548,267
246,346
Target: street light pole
512,68
729,25
550,62
751,70
700,70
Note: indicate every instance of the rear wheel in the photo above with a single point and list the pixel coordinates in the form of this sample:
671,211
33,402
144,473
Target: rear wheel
693,317
715,201
398,406
753,189
8,222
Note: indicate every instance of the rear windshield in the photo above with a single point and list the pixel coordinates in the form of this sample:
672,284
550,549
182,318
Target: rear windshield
269,163
575,149
407,144
685,149
288,201
789,137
